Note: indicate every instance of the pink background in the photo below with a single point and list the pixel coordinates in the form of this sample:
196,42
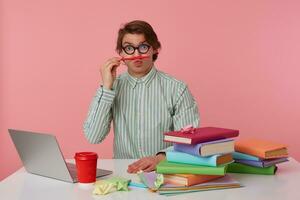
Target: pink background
239,58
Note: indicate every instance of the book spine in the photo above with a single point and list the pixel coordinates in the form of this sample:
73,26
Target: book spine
251,162
190,149
205,178
246,169
250,151
189,170
239,155
180,157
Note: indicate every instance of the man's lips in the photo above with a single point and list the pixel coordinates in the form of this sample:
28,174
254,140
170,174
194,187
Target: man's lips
137,62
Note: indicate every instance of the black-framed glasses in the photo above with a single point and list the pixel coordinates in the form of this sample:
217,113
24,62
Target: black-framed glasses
142,49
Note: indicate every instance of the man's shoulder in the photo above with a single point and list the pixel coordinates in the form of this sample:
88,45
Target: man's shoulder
171,80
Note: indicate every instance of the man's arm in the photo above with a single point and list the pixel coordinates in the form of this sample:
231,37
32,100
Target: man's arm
185,113
97,125
186,110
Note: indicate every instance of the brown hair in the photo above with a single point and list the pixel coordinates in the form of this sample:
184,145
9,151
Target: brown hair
139,27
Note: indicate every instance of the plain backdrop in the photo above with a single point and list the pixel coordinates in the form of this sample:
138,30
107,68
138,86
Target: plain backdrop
240,60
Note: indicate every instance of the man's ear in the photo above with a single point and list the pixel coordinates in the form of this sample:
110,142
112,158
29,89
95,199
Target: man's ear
156,51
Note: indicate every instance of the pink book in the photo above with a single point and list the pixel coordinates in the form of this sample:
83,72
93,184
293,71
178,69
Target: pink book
190,135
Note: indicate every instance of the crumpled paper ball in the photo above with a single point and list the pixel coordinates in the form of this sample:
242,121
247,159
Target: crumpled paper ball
113,184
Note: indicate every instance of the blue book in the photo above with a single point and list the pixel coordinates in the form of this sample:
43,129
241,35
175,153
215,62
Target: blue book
262,163
211,161
223,146
242,156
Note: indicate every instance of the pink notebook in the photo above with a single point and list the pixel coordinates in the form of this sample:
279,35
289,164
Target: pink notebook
198,135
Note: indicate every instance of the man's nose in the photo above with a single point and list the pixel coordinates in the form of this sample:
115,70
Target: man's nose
136,53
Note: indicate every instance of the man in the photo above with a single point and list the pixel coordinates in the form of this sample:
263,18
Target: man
143,102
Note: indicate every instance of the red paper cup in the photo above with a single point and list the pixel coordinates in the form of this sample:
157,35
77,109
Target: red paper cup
86,164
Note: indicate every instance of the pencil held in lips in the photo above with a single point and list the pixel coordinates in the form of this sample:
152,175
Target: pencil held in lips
134,58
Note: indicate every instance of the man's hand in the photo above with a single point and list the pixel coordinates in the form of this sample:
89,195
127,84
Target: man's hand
109,72
147,164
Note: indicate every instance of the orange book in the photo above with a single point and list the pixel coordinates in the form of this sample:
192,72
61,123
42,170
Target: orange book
261,148
188,179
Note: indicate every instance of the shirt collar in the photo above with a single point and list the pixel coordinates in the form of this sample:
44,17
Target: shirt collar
145,79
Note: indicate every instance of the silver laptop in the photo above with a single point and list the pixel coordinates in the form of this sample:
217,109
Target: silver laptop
41,155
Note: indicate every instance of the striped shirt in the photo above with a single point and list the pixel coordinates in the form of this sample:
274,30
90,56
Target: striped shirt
141,109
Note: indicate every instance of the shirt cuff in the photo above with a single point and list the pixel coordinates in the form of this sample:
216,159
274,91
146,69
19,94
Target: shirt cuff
163,151
106,95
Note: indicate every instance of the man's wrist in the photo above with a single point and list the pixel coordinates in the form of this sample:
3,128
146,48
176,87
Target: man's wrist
107,87
160,156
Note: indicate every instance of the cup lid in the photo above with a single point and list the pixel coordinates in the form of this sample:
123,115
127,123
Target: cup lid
86,155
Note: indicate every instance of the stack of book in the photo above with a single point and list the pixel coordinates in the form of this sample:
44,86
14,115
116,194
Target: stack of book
256,156
198,160
152,181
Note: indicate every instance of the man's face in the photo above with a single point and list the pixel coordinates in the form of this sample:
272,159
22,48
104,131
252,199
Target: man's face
139,67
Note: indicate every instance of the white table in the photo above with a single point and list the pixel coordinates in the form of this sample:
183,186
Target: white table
284,185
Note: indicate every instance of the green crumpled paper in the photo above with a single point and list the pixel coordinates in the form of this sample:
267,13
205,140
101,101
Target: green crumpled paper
159,181
113,184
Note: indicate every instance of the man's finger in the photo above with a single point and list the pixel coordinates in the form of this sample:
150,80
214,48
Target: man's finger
135,163
137,166
142,166
150,168
113,64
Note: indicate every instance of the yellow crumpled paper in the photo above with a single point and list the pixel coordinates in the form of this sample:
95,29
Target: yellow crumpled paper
113,184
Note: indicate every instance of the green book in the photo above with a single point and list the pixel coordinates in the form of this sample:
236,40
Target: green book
165,167
247,169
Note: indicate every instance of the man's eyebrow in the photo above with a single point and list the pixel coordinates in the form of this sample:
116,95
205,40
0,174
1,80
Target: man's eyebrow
133,44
